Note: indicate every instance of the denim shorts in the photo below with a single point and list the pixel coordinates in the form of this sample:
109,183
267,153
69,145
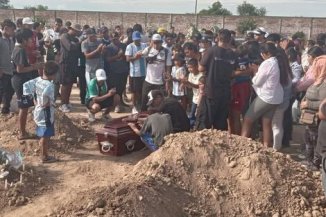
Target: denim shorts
42,131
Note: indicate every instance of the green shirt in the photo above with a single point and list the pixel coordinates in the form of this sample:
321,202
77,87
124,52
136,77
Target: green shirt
93,90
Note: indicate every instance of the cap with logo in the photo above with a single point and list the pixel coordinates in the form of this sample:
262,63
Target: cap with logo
136,36
28,21
156,37
100,75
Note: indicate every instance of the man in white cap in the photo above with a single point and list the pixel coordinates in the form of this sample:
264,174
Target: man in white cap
32,51
98,96
159,62
260,34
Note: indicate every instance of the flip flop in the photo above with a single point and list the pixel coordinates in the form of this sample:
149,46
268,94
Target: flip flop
49,159
26,136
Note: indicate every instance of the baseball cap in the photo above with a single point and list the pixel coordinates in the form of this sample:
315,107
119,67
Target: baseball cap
28,21
153,95
260,31
77,27
100,75
136,36
156,37
161,30
206,38
90,31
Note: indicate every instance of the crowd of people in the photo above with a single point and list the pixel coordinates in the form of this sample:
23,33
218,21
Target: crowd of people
265,82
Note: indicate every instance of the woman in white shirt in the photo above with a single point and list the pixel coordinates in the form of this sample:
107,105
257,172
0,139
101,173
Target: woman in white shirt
267,84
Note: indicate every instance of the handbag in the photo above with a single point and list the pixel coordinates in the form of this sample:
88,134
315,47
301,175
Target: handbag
26,101
309,117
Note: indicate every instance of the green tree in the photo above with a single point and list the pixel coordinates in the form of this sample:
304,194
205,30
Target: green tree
4,4
246,25
216,9
37,8
247,9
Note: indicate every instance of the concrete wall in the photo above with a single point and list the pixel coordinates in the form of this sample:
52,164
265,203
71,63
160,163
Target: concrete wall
284,25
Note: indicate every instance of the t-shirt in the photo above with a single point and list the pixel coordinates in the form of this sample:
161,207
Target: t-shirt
156,68
178,115
93,90
118,66
243,63
158,125
6,48
194,79
178,73
95,63
137,67
32,58
220,64
44,109
69,50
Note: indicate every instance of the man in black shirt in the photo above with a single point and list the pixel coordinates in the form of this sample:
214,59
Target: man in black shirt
219,62
171,106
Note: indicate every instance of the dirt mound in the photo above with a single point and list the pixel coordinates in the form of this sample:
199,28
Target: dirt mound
208,173
69,134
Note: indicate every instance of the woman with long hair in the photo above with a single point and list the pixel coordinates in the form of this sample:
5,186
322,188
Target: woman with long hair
267,83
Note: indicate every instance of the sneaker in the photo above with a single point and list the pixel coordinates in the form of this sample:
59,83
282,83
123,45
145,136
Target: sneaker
134,110
64,108
117,109
69,106
91,117
106,117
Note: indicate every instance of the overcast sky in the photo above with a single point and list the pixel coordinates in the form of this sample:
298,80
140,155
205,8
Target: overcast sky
311,8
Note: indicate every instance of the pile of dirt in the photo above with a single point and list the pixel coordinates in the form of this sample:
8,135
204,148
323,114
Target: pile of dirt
21,186
207,173
69,134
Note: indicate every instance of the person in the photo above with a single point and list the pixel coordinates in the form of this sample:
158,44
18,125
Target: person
92,48
321,141
69,54
267,83
241,90
32,50
43,88
177,75
260,35
128,39
98,96
191,51
137,71
19,23
68,24
7,45
304,58
315,94
193,83
159,63
155,127
117,66
139,28
23,72
105,36
219,63
205,43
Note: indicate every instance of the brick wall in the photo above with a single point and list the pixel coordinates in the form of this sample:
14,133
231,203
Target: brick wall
284,25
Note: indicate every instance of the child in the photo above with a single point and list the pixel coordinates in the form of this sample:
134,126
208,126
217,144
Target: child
193,82
43,91
201,90
178,74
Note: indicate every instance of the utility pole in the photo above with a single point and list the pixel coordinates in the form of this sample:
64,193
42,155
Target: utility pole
196,16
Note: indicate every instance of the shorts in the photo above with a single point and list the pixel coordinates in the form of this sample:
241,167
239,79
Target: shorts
240,96
107,103
258,108
136,84
68,74
147,139
42,131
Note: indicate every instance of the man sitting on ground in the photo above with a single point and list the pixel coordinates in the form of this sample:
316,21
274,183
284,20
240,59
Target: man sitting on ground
98,96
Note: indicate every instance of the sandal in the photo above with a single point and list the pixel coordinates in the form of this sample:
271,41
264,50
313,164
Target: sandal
26,136
49,159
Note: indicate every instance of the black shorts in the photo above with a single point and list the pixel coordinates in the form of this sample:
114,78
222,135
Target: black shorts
18,80
68,74
136,84
104,104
